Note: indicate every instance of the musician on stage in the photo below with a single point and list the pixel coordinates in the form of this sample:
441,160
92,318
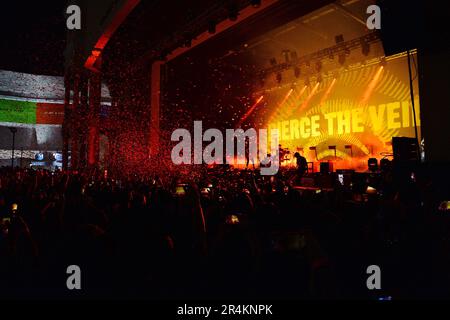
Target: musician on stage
302,164
247,155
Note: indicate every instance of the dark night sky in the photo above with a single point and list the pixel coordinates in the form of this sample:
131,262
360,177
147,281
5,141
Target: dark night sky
32,36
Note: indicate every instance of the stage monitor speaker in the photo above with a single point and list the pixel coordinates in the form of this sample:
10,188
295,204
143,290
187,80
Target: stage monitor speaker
405,150
401,25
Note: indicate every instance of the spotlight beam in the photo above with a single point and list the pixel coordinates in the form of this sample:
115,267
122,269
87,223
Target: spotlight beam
286,97
311,94
371,86
298,97
250,111
328,92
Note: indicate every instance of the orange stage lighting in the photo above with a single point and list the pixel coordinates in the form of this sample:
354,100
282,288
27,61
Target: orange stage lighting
286,97
302,91
371,86
327,93
300,94
311,94
292,109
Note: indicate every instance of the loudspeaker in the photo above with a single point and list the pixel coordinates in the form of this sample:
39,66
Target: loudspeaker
372,163
405,149
326,167
385,164
402,25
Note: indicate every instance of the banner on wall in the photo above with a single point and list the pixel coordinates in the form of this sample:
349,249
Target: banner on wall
26,112
49,113
17,111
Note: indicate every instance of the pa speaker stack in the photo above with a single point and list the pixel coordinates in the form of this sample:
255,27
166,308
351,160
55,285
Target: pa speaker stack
405,150
406,158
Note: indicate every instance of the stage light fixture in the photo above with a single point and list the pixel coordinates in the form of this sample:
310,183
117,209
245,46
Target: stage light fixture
339,38
273,62
307,82
279,78
294,55
297,72
365,47
383,62
372,163
318,66
286,55
255,3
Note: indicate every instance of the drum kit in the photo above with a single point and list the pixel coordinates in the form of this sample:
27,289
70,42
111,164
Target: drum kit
285,155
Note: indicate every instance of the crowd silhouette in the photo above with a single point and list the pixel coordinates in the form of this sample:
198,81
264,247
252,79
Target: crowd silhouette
221,233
